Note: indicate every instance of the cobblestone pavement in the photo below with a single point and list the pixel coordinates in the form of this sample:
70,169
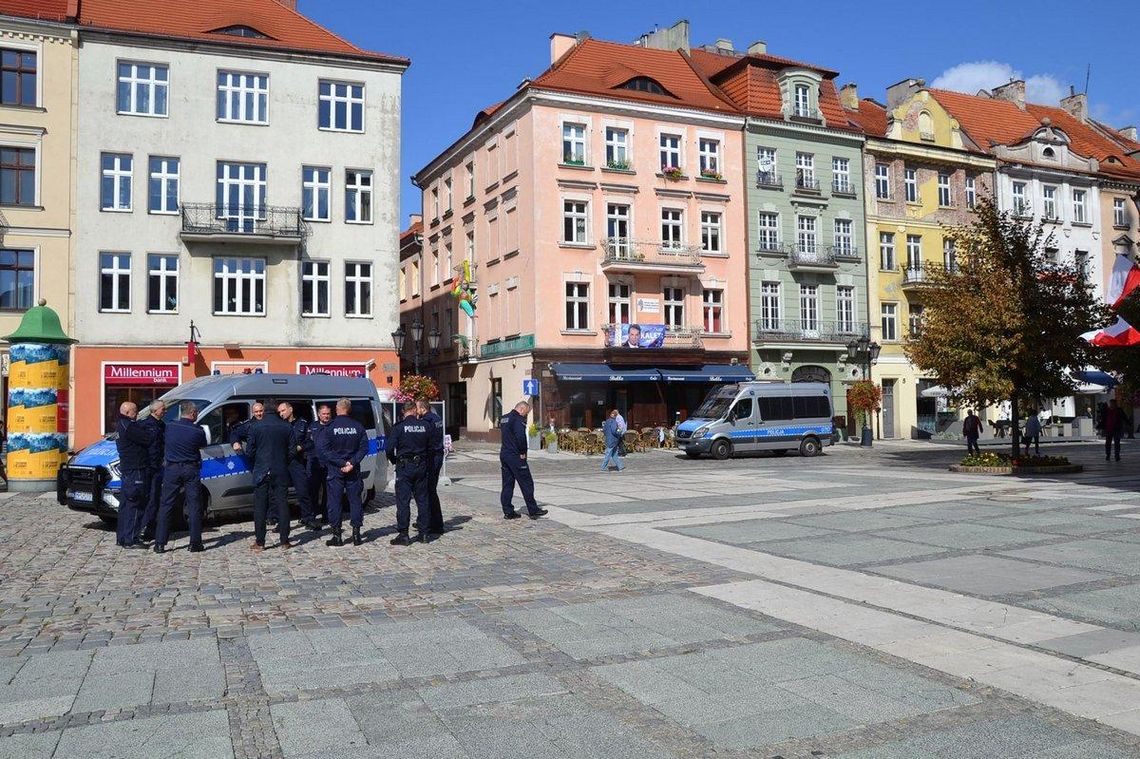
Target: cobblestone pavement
861,604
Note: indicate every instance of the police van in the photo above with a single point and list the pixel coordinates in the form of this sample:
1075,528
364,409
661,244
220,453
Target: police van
90,480
760,416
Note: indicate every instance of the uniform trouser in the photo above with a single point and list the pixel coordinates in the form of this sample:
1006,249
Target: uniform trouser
146,522
1111,442
972,444
351,487
132,503
515,469
318,496
299,476
270,496
412,480
435,465
180,478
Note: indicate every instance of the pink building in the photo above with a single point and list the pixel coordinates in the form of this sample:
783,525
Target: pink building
603,194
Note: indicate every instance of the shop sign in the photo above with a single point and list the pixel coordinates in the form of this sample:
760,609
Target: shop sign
507,347
141,374
335,370
648,305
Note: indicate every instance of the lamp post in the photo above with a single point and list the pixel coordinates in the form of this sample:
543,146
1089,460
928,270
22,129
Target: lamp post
864,351
399,338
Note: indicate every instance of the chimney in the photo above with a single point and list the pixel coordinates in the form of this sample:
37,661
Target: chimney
900,91
759,47
1129,132
1014,92
560,45
849,96
674,38
414,218
723,45
1077,105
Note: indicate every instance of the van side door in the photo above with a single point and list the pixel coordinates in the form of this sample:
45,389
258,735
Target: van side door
226,474
773,432
743,420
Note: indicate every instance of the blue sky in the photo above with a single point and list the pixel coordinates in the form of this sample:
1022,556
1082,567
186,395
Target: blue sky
467,55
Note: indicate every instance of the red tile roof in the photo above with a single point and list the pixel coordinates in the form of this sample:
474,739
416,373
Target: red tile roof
45,10
416,228
871,118
718,62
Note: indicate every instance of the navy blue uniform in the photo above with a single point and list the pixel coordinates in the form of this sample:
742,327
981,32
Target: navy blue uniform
146,523
133,445
512,459
181,474
268,447
344,441
300,448
318,470
241,431
408,449
435,464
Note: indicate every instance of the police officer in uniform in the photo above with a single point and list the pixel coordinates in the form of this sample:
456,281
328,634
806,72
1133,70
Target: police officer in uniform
435,462
343,446
241,431
184,443
512,459
269,447
133,445
144,530
408,449
317,467
300,448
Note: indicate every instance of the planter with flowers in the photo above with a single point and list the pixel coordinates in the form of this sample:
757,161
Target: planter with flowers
672,172
992,462
417,387
711,174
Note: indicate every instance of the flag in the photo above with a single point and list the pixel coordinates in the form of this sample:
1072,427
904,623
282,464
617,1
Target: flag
1118,335
1125,278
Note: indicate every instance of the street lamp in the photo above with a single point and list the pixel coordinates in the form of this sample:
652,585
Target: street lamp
399,338
864,351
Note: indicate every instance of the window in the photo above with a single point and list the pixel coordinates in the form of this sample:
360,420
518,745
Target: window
1119,214
914,320
240,30
316,193
1049,201
243,97
239,286
17,77
17,279
674,307
770,306
670,151
672,228
446,263
805,234
162,194
644,84
617,148
1082,260
434,258
470,169
447,195
944,197
574,222
971,192
845,309
882,181
115,282
712,302
710,232
777,409
1079,206
577,305
709,152
809,308
162,284
910,185
116,186
949,255
574,144
434,204
617,227
914,252
768,230
841,175
889,313
18,176
358,196
766,173
316,284
142,89
357,289
620,304
1020,207
240,196
886,251
805,171
341,106
469,248
803,101
844,239
496,400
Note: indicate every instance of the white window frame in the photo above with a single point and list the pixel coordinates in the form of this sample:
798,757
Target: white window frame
618,225
809,308
470,168
358,196
772,175
845,307
1020,205
672,229
574,149
712,232
673,299
889,316
801,100
577,295
771,307
118,176
618,147
243,97
236,176
805,168
164,177
841,174
914,319
882,181
233,272
358,285
620,303
152,84
447,195
807,234
120,281
1119,213
910,185
316,274
433,256
350,100
945,196
1049,202
888,256
670,144
949,254
1079,207
316,188
768,235
708,152
914,252
576,211
158,268
844,236
971,192
712,305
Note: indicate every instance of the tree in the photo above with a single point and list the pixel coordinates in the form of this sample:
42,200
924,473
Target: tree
1005,323
863,398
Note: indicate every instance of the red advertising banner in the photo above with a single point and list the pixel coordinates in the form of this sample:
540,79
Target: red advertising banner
335,370
141,374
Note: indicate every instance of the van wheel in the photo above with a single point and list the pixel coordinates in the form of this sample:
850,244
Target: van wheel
693,454
810,446
721,450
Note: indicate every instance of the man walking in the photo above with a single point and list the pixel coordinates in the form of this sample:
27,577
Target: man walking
182,474
144,530
1033,432
317,467
612,431
269,447
133,445
435,454
300,449
408,449
972,429
1113,429
512,460
343,447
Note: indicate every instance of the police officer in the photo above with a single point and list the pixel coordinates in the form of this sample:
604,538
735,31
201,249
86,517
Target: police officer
343,446
144,530
435,462
512,459
317,467
240,432
300,448
184,443
133,445
269,446
408,448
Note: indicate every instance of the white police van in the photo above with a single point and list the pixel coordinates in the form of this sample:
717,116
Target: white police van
760,416
90,480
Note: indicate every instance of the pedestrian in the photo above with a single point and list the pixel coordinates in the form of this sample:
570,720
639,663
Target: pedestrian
436,454
343,446
240,433
317,468
182,475
512,461
144,530
1113,429
268,447
133,445
972,430
1032,432
409,450
300,449
612,432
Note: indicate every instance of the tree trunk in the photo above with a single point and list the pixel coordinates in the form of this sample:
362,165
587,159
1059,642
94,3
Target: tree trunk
1014,418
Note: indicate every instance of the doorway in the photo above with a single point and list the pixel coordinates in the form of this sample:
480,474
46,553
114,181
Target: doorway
888,409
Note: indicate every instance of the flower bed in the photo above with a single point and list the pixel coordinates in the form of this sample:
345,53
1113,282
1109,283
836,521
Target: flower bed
1003,463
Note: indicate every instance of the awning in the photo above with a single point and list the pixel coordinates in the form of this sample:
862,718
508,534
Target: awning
602,373
707,373
935,391
1095,377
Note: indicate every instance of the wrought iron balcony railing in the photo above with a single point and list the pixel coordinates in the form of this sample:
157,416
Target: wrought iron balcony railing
845,252
807,183
806,331
769,179
205,220
843,187
624,251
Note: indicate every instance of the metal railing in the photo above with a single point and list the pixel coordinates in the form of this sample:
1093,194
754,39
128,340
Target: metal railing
807,183
846,252
797,330
913,275
843,187
803,113
649,253
770,179
810,255
466,349
263,221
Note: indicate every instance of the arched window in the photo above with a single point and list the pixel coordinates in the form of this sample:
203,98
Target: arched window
644,84
241,31
1048,153
802,103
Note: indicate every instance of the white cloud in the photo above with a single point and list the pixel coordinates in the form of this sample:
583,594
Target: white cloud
985,75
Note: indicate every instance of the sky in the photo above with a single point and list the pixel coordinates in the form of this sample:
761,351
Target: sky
468,55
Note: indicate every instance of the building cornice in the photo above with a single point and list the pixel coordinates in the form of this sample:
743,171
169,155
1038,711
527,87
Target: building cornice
932,153
56,31
855,138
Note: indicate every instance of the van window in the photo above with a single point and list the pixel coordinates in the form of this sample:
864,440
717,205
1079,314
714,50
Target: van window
222,420
775,409
302,407
361,411
742,409
811,407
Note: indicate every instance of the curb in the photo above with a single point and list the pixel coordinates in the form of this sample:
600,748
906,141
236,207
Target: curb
999,470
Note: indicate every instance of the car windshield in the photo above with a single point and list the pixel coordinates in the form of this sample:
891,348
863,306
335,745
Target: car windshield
716,405
174,408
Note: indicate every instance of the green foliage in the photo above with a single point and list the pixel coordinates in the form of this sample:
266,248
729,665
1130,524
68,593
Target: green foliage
993,459
864,398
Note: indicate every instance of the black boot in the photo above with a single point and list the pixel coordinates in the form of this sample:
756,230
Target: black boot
401,540
335,540
356,539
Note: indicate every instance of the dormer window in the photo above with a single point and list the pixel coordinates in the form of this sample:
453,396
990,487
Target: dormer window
644,84
803,107
239,30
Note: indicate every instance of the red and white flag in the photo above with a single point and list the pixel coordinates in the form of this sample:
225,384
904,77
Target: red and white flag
1125,278
1118,335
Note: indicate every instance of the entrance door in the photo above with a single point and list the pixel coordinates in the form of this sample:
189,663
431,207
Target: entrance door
456,408
888,408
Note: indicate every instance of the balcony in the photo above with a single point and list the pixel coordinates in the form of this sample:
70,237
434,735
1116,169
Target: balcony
843,187
811,257
207,222
466,349
621,254
806,184
769,180
803,113
676,338
792,331
914,277
845,252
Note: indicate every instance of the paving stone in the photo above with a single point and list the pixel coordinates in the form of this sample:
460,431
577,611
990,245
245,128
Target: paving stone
1103,555
774,727
964,535
1063,523
29,745
750,531
307,727
864,520
988,575
845,550
1114,606
204,735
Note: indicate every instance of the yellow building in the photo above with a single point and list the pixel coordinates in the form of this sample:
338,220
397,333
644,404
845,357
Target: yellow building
922,176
